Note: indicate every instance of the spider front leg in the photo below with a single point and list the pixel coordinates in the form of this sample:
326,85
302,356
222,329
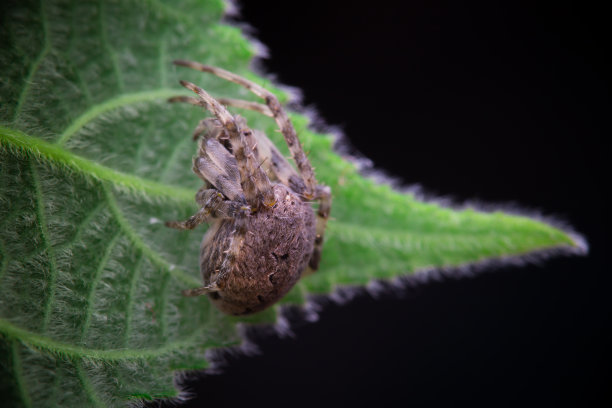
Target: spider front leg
198,218
213,207
237,103
253,180
279,115
200,291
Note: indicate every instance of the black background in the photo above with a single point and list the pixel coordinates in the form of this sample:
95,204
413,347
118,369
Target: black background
500,102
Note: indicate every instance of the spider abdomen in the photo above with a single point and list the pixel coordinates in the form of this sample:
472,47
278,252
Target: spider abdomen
256,260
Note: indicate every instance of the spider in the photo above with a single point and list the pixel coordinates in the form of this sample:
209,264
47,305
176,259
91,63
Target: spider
263,233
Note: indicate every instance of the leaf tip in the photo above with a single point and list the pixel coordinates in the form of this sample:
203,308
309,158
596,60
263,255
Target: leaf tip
579,244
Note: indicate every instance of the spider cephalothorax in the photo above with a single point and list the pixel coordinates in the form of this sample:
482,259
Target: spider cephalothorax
263,231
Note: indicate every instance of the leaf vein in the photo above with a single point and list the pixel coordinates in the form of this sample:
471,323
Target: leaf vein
18,370
130,300
163,74
71,41
350,232
56,382
87,385
173,12
34,68
11,214
141,145
109,48
110,104
172,157
183,248
50,346
80,228
163,322
23,143
96,280
40,214
85,222
139,243
5,259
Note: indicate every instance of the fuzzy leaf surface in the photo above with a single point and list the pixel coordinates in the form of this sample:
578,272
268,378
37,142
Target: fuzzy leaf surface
93,160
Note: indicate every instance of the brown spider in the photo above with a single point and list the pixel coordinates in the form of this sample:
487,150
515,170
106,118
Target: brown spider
263,234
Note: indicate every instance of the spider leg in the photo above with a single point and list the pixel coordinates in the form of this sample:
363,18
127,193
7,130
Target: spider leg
253,180
237,103
187,99
323,194
213,206
267,154
219,207
275,164
254,106
190,223
209,128
200,291
279,115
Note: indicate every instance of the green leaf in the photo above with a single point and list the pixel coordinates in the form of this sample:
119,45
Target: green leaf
93,160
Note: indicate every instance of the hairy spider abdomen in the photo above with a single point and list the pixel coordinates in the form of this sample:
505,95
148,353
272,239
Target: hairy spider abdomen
256,260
